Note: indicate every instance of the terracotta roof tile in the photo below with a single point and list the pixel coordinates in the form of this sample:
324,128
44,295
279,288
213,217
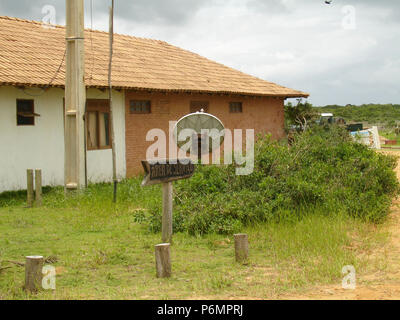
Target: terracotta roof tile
31,54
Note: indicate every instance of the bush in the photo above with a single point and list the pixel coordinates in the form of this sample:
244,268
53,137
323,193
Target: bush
323,171
371,113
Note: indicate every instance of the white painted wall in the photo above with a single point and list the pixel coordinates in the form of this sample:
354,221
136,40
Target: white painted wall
42,145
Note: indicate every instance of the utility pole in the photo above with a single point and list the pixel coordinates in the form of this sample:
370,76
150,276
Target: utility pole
114,156
75,97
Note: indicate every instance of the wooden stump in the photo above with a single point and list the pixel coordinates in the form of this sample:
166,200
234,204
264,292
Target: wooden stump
167,213
33,273
38,187
163,260
241,247
29,183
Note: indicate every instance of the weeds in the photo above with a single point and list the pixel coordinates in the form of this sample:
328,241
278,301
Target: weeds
105,254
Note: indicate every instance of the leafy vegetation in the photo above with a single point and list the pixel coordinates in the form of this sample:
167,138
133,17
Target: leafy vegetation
299,115
382,114
324,172
307,210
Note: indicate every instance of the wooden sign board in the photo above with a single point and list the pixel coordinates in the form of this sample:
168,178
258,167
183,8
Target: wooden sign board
164,171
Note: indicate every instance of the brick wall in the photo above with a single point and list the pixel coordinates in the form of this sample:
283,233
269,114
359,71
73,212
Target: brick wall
264,115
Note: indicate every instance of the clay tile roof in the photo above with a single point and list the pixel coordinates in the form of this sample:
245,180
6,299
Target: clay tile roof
31,55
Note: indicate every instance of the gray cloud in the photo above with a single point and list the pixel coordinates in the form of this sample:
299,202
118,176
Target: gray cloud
268,6
167,12
27,9
297,43
142,11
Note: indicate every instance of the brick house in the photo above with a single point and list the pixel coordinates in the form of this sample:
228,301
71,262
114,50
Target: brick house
153,83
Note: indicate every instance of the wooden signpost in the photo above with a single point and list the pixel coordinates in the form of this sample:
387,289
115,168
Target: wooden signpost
165,172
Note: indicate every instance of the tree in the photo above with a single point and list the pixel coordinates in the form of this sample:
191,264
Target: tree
300,115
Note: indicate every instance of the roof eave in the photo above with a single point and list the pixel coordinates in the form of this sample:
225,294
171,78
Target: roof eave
188,91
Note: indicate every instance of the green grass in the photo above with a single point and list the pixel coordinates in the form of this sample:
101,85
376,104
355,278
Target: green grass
389,134
104,253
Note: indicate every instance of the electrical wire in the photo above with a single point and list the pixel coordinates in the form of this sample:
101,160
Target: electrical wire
58,70
44,89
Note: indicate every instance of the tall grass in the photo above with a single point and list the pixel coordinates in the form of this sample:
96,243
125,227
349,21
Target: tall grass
112,257
104,253
95,198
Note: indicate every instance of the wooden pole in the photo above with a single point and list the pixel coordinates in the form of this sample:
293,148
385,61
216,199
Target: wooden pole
167,212
75,97
163,260
38,187
241,247
33,273
29,183
114,156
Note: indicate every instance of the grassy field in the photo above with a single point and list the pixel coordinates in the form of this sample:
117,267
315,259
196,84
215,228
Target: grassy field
104,253
390,134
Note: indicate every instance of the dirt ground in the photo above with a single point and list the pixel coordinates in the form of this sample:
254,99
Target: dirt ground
383,285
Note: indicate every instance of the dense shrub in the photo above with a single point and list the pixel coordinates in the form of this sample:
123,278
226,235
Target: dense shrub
323,171
371,113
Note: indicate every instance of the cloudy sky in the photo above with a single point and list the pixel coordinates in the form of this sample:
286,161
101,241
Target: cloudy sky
344,52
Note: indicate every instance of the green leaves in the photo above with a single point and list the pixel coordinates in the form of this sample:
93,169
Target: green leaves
323,171
300,115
